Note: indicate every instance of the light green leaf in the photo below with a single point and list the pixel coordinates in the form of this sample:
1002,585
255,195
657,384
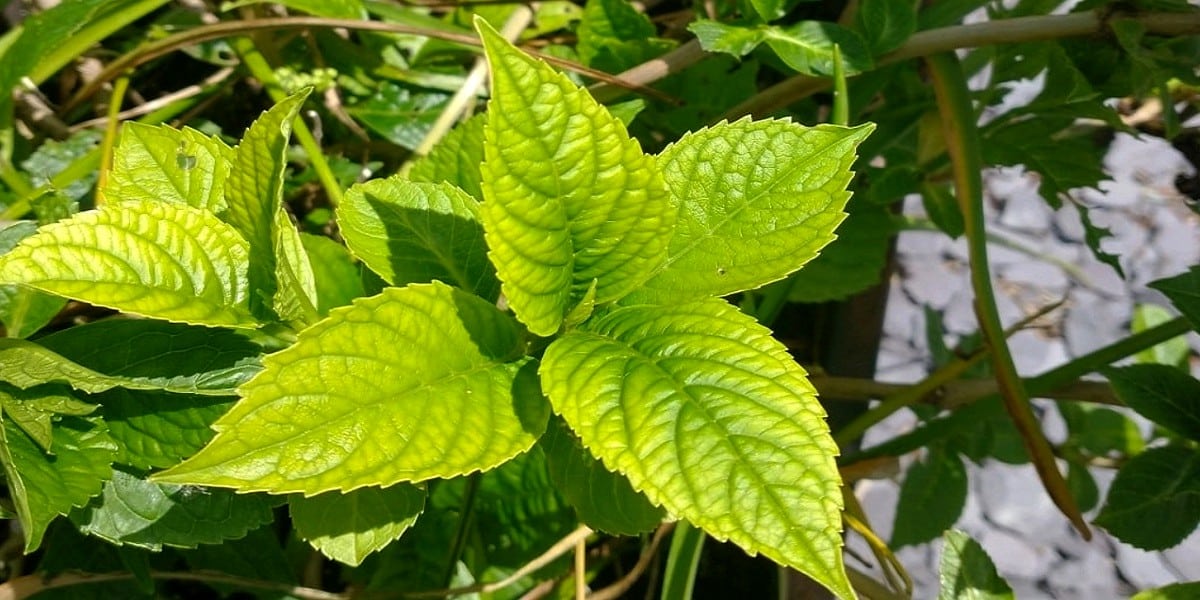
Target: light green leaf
1184,292
1163,394
769,10
351,404
604,500
1171,352
570,197
715,36
455,159
807,47
135,512
335,272
967,573
24,310
155,430
348,527
254,192
931,499
35,411
852,263
411,232
1154,502
1175,591
43,487
756,200
164,164
710,417
163,261
296,299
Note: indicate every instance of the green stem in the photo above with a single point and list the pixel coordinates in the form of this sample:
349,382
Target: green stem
110,135
963,146
258,66
97,29
467,514
683,561
841,98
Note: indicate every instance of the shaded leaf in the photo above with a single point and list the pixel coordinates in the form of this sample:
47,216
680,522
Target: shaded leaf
1154,502
807,47
24,310
1171,352
411,232
399,114
158,260
160,163
35,411
852,263
885,24
43,487
1175,591
932,498
347,527
158,429
1184,293
710,417
756,200
614,36
351,405
570,197
967,572
603,500
1163,394
135,512
335,273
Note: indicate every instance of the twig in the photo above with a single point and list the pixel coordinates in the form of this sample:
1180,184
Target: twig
581,569
650,71
956,393
619,588
1003,31
164,100
25,586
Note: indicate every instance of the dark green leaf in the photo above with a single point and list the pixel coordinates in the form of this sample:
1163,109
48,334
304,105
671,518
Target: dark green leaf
1163,394
967,573
932,498
159,429
852,263
1184,292
807,47
1175,591
614,36
1154,502
942,208
399,114
1082,486
886,24
133,511
50,159
35,410
604,500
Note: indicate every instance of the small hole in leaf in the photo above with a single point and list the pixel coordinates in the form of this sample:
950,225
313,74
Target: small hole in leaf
720,270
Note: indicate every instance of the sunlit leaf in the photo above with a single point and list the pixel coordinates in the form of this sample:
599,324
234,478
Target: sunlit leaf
808,46
569,196
169,165
158,260
24,310
411,232
351,404
708,416
348,527
756,200
335,272
36,410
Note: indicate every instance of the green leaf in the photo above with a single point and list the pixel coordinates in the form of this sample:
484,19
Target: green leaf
1163,394
1175,591
135,512
338,9
258,555
159,429
417,232
254,192
932,498
570,197
157,260
604,500
885,24
807,47
24,311
1154,502
852,263
967,573
1103,431
710,417
348,527
715,36
1094,236
167,356
43,487
769,10
35,411
614,36
1184,293
1082,486
164,164
399,114
1171,352
455,159
296,298
335,273
351,404
756,200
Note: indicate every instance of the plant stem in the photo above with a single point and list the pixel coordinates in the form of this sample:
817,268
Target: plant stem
466,515
962,144
110,136
19,588
258,66
1001,31
683,562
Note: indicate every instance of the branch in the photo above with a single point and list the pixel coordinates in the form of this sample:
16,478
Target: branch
25,586
1004,31
956,393
618,589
